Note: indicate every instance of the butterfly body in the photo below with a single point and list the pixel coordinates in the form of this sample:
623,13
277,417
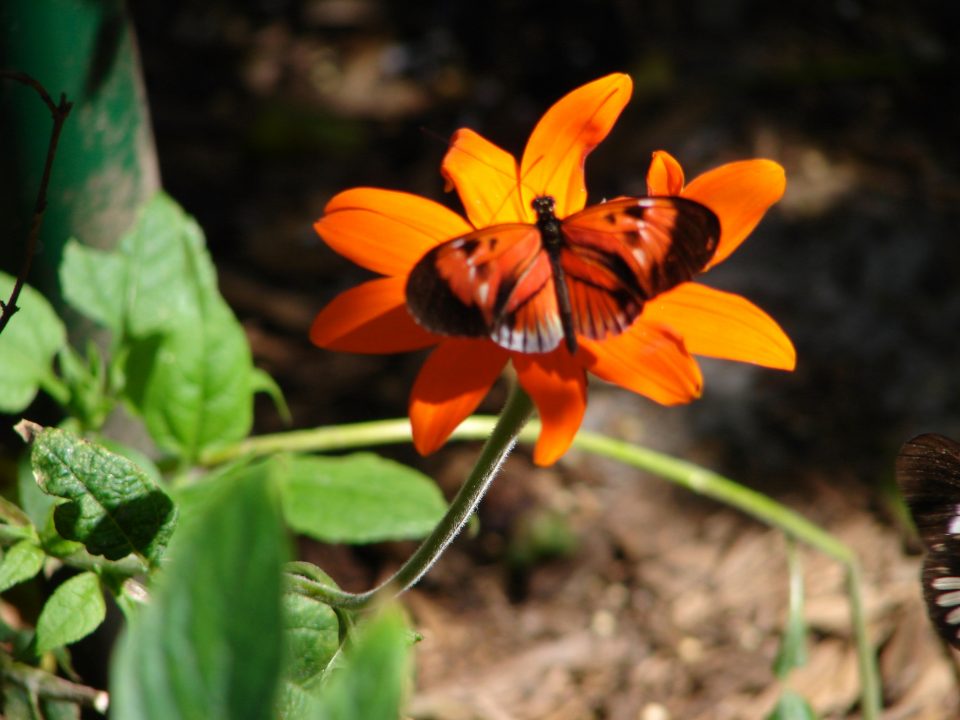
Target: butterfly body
529,287
928,471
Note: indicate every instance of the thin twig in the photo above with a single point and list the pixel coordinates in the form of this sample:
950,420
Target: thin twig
58,112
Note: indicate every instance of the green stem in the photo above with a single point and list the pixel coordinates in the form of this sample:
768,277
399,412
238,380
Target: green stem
680,472
12,534
769,512
870,690
55,388
499,444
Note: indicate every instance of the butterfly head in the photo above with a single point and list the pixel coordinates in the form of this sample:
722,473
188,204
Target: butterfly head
544,206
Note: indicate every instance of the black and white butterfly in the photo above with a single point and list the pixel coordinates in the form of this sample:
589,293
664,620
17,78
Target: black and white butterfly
928,471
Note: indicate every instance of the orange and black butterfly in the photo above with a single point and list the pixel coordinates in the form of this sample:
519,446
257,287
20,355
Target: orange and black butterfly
529,286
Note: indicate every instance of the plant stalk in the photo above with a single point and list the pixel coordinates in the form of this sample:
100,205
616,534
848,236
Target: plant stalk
501,441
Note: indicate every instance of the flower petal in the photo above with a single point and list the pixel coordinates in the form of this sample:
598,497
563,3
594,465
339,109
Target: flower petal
722,325
558,386
485,177
451,383
665,176
553,160
647,359
739,193
384,230
370,318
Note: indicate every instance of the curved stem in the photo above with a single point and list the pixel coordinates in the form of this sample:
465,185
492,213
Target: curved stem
501,441
680,472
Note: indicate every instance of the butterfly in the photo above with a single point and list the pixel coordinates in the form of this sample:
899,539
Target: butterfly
928,472
529,286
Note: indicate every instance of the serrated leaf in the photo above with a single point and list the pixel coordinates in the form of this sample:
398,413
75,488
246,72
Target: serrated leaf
311,632
75,610
135,456
113,508
208,646
20,562
372,681
27,346
94,283
358,498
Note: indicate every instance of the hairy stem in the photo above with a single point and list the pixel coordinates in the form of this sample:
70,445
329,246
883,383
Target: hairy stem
499,444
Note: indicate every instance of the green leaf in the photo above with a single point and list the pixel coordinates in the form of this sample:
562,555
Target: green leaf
793,645
792,706
359,498
112,506
208,645
13,516
17,703
75,610
85,378
94,282
27,346
36,504
20,562
190,372
263,382
168,266
196,391
371,683
60,710
138,458
311,632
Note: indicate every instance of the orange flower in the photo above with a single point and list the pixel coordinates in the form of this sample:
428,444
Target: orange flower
388,232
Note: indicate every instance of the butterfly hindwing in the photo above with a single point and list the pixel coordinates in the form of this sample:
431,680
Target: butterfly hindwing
928,471
619,254
495,282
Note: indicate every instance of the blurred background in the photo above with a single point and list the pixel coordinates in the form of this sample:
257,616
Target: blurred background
263,110
590,591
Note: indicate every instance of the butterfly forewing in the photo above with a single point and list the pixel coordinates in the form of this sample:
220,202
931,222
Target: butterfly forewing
495,282
622,253
928,471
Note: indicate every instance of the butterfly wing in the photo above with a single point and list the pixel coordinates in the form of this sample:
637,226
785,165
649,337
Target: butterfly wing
928,471
495,282
619,254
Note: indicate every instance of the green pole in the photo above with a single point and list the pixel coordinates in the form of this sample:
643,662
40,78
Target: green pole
106,163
